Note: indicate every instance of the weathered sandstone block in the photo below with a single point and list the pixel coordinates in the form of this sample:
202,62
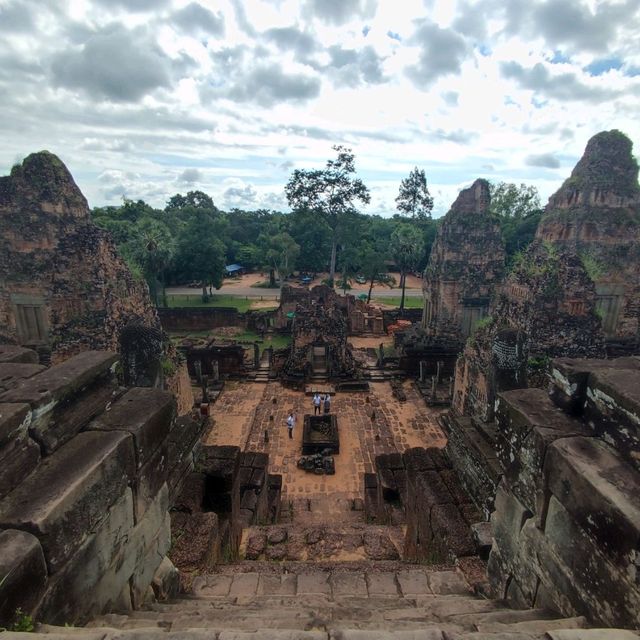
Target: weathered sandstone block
611,593
70,492
23,573
602,494
12,373
14,420
612,409
17,460
146,414
13,353
528,422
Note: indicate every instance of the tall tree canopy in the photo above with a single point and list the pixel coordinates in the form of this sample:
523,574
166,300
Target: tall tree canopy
518,210
331,192
201,253
414,199
407,248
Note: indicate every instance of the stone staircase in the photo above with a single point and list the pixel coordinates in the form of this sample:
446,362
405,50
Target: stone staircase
332,601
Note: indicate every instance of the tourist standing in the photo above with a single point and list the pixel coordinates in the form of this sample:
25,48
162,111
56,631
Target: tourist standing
317,401
291,423
327,403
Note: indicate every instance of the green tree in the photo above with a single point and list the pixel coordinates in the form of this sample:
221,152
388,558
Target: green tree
407,248
200,254
152,247
414,198
512,201
372,265
330,193
193,199
282,253
518,211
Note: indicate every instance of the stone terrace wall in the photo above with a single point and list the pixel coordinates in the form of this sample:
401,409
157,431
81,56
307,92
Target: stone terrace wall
193,319
88,471
421,484
65,289
566,525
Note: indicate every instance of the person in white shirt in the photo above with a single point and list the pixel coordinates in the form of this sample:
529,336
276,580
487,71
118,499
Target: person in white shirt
291,423
316,404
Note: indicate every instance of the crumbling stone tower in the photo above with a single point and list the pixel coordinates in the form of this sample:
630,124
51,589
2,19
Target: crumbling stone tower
466,264
64,289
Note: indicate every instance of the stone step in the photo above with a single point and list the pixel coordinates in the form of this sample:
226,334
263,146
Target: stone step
427,632
333,584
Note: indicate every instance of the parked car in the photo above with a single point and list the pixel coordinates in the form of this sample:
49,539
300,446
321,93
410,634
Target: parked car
361,280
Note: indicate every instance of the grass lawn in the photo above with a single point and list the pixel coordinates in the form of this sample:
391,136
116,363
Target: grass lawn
241,303
410,302
246,337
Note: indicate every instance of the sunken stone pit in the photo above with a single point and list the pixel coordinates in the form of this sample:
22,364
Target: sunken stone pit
319,434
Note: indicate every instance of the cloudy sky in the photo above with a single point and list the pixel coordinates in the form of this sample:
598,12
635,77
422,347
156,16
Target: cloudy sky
147,98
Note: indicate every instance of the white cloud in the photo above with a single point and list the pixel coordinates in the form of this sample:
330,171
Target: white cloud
143,97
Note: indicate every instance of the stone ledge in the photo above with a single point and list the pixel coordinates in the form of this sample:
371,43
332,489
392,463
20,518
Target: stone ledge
600,491
13,353
53,385
70,492
146,414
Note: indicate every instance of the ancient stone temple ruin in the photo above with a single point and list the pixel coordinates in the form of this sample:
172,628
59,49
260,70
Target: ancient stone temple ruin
319,331
465,266
64,289
513,516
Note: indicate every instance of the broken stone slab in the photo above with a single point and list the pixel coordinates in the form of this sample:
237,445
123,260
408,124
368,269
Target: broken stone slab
146,414
166,581
23,574
17,460
12,373
14,420
70,492
528,423
52,386
612,409
413,582
13,353
600,491
569,377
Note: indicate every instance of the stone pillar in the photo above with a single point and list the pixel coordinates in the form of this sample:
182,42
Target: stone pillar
205,390
439,367
381,356
423,367
434,382
216,370
256,355
270,356
197,367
